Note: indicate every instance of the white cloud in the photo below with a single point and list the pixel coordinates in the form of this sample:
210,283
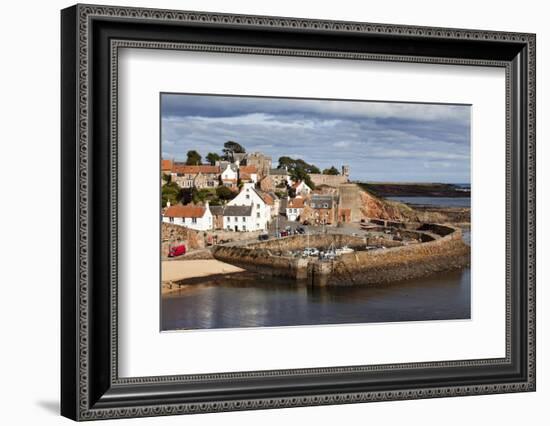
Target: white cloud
434,145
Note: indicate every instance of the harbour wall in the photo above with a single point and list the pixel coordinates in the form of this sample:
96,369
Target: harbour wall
263,261
398,263
442,250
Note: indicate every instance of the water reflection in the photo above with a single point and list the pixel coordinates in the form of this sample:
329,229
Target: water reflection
249,300
252,300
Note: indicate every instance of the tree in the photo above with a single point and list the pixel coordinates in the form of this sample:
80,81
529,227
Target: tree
171,192
212,157
291,191
230,148
286,162
299,170
291,164
309,182
201,195
332,171
193,158
298,174
224,193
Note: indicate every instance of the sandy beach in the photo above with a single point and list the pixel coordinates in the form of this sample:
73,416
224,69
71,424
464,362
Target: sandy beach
179,270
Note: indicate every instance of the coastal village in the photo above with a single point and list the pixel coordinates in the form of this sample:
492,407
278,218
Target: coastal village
293,220
244,192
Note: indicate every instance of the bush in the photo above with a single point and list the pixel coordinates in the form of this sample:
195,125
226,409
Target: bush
224,193
171,192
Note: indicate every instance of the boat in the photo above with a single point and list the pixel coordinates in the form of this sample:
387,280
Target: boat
346,250
310,251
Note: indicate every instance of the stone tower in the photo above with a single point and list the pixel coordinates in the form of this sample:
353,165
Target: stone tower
345,171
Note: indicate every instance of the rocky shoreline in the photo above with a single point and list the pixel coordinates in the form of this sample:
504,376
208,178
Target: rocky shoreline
414,190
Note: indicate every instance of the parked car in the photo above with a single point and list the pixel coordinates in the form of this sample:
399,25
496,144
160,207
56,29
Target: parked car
305,222
177,251
300,230
263,237
283,233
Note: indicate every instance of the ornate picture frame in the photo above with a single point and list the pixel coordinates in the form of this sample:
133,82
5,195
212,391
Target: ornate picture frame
91,37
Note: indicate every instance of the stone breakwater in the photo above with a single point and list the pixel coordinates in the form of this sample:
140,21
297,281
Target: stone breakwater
442,249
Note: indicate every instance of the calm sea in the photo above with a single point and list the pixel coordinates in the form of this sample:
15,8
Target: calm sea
252,300
434,201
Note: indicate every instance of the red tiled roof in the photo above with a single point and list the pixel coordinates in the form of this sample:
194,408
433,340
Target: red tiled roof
268,199
166,165
193,170
185,211
296,203
248,169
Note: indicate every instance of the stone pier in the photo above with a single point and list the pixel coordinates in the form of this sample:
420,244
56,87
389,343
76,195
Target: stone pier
441,249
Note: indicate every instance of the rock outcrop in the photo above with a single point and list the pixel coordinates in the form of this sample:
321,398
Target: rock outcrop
375,207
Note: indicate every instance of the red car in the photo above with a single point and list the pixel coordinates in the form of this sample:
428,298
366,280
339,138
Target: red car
177,251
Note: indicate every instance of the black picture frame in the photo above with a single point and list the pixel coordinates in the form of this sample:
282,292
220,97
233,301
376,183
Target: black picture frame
90,386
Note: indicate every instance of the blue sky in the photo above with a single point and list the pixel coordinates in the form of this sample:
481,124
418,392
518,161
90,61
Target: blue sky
381,141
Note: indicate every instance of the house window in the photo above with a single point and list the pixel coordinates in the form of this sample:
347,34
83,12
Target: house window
244,219
248,196
194,220
171,220
244,227
257,206
258,215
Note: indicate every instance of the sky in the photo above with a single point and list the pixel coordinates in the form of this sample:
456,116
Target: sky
380,141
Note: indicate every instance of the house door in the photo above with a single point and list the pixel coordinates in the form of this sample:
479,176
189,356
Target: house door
236,228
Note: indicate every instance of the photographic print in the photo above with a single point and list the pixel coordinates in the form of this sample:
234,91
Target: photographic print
293,212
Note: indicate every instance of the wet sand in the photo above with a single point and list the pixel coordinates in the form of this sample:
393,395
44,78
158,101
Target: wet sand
178,270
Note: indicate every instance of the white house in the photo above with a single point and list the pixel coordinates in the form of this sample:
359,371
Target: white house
301,188
294,208
260,210
238,218
230,175
271,199
230,172
191,216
